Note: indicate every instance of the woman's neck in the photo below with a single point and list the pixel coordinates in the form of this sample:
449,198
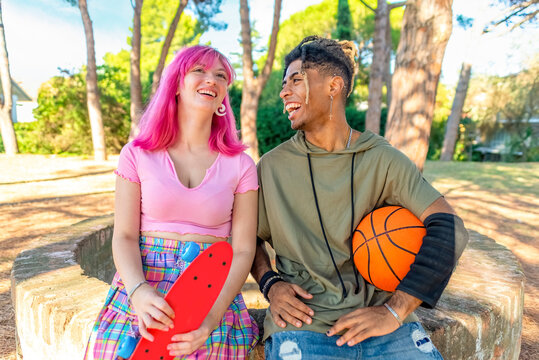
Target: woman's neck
195,129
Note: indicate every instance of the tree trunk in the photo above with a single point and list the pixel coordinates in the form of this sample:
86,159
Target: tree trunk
426,28
136,86
252,87
378,68
6,122
92,91
166,46
452,126
387,75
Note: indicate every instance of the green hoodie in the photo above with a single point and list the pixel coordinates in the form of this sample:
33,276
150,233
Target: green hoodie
288,219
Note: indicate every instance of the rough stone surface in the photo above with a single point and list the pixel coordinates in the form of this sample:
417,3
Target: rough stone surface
55,302
59,288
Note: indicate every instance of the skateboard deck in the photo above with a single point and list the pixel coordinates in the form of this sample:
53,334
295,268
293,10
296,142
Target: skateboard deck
191,297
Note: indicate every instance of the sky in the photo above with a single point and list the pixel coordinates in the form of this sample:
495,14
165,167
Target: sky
44,35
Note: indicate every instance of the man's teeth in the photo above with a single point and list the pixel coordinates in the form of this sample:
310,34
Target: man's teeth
207,92
292,107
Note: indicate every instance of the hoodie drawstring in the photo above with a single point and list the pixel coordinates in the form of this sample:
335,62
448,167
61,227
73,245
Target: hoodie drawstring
350,238
344,292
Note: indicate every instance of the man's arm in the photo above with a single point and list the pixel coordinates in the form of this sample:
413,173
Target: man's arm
261,263
378,320
282,296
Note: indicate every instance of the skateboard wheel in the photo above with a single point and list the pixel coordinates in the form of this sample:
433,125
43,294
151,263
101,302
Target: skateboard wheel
127,346
190,251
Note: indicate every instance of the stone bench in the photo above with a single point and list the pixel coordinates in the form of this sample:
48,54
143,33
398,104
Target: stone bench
59,288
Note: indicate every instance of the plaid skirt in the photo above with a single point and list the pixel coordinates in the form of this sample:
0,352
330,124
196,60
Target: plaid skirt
235,336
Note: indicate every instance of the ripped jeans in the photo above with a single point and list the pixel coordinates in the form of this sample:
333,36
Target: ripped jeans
409,342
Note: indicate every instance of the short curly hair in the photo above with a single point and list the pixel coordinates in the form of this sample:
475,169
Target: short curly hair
329,56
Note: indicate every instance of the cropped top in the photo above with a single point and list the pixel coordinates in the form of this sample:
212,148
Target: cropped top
168,206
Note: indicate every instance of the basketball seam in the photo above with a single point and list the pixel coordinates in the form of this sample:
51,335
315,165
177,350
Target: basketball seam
387,232
369,251
384,233
385,259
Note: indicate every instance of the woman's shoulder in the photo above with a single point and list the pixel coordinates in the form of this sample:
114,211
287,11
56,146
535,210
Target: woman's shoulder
130,148
242,159
137,151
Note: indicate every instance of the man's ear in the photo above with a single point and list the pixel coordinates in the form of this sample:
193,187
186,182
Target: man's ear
336,85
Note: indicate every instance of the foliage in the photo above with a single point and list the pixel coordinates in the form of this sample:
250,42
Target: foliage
442,110
276,129
344,21
272,126
466,145
205,12
499,105
321,19
155,20
62,116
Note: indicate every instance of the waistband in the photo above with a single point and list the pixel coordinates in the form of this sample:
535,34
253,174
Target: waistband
150,243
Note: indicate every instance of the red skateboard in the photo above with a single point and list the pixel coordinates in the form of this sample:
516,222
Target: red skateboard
191,297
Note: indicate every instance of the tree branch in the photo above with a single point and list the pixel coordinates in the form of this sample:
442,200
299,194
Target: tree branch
246,44
166,45
273,43
528,17
514,11
396,5
512,14
368,6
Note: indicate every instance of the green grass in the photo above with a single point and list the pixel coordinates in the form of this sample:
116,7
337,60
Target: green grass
518,178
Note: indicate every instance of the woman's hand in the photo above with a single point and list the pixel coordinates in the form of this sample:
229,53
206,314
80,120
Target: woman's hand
152,310
185,344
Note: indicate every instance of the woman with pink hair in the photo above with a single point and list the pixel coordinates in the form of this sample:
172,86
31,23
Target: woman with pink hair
185,178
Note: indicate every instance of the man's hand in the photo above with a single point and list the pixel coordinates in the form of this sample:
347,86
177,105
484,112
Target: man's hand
284,304
364,323
374,321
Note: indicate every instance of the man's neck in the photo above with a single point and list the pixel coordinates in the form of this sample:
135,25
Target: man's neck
330,136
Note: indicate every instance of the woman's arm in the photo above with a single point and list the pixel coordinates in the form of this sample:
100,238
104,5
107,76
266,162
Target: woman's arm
244,220
149,305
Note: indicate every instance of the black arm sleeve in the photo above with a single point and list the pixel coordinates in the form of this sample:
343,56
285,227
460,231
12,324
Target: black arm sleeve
443,244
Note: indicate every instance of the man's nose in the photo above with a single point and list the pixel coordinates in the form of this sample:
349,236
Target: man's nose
285,91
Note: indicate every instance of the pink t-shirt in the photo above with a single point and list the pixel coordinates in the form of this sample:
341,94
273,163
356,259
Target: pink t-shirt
167,205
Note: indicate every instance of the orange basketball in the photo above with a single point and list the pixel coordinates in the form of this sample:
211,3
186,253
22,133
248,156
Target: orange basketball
385,243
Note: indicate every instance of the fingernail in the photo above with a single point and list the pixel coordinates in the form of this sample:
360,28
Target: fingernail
328,333
298,324
309,321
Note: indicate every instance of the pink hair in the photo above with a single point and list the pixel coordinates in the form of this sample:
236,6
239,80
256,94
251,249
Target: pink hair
159,123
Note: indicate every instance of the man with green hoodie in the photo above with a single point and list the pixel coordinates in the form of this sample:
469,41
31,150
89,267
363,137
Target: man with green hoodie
314,190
